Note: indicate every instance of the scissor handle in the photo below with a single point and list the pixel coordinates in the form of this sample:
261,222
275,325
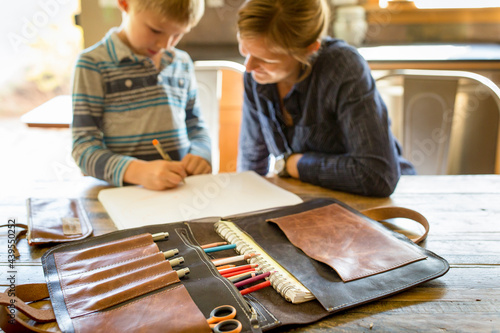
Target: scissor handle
227,326
221,313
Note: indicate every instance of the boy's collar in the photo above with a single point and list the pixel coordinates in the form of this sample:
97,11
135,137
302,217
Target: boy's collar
120,52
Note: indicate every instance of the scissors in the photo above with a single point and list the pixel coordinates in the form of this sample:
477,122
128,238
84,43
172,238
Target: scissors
222,320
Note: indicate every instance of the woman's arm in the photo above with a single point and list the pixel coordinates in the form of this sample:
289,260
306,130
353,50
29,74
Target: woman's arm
252,150
369,164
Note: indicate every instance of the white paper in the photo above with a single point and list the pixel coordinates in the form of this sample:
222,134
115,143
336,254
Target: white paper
219,195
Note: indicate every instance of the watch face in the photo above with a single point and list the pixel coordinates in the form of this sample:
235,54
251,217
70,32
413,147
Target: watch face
279,165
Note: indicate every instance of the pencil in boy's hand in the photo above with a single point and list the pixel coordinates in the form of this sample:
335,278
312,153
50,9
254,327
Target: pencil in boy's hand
163,154
158,147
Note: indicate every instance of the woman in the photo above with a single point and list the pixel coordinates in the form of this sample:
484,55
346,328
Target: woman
312,103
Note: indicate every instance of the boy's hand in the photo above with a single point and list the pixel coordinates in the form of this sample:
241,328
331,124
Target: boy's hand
196,165
155,175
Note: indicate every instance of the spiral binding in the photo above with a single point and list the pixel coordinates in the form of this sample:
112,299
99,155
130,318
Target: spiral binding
281,280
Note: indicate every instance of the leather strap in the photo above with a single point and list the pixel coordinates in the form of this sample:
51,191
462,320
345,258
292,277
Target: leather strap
385,213
25,293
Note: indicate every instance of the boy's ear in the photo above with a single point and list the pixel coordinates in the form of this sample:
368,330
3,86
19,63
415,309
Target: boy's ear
123,5
314,47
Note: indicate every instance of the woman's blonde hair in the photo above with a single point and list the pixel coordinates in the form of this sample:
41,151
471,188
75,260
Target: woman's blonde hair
288,26
184,11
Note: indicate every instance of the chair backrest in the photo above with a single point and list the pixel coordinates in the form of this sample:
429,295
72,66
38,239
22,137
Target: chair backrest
447,121
209,75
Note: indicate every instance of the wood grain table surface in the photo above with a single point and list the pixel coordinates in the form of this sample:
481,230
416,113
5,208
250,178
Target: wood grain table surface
464,216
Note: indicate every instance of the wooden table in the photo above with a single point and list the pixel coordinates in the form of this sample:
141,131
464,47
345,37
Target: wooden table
464,214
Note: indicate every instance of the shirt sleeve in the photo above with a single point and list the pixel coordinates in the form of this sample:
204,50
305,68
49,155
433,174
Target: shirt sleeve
369,166
198,134
89,151
252,149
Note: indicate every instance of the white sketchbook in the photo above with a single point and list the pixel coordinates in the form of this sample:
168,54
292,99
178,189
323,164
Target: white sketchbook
201,196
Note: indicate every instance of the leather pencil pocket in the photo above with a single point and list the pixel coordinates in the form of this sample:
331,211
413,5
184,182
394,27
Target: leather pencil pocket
351,244
92,257
98,277
170,310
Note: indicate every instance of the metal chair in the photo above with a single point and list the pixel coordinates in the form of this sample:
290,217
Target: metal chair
209,77
446,121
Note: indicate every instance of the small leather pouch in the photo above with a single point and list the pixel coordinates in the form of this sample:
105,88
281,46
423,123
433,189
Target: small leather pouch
56,220
353,246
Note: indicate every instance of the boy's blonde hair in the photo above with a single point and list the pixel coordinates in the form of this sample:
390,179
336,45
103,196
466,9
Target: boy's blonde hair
289,26
183,11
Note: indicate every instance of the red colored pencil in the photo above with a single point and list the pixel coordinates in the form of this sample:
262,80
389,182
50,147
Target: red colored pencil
238,272
256,287
237,268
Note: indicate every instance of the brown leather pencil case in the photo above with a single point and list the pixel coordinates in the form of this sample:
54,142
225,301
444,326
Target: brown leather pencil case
56,220
92,268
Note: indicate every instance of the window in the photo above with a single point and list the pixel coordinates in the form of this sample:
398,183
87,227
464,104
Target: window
450,4
39,43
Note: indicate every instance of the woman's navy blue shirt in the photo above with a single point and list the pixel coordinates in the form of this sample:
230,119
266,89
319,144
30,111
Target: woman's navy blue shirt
340,124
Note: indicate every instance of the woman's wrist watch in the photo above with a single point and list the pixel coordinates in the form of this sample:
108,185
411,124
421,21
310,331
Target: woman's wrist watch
280,165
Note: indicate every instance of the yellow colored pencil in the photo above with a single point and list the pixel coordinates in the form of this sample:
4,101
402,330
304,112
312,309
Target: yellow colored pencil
158,147
163,154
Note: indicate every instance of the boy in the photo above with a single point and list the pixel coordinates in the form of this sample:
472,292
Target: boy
133,87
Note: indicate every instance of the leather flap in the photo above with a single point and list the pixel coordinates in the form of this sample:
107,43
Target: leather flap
350,244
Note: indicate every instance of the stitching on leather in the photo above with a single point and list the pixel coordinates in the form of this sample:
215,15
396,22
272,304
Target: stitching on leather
55,307
211,267
110,265
267,311
386,293
113,276
149,242
97,314
154,287
370,273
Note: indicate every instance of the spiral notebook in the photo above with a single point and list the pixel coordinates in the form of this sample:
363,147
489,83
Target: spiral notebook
281,280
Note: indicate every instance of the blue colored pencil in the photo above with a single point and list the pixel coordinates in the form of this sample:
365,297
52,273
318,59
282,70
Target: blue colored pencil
220,248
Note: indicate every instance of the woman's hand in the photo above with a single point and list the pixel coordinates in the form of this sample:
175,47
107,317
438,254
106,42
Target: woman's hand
291,165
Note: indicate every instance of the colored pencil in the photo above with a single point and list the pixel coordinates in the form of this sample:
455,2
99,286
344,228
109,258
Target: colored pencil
220,248
243,276
256,287
230,260
206,246
163,154
160,150
252,279
219,268
226,275
236,268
